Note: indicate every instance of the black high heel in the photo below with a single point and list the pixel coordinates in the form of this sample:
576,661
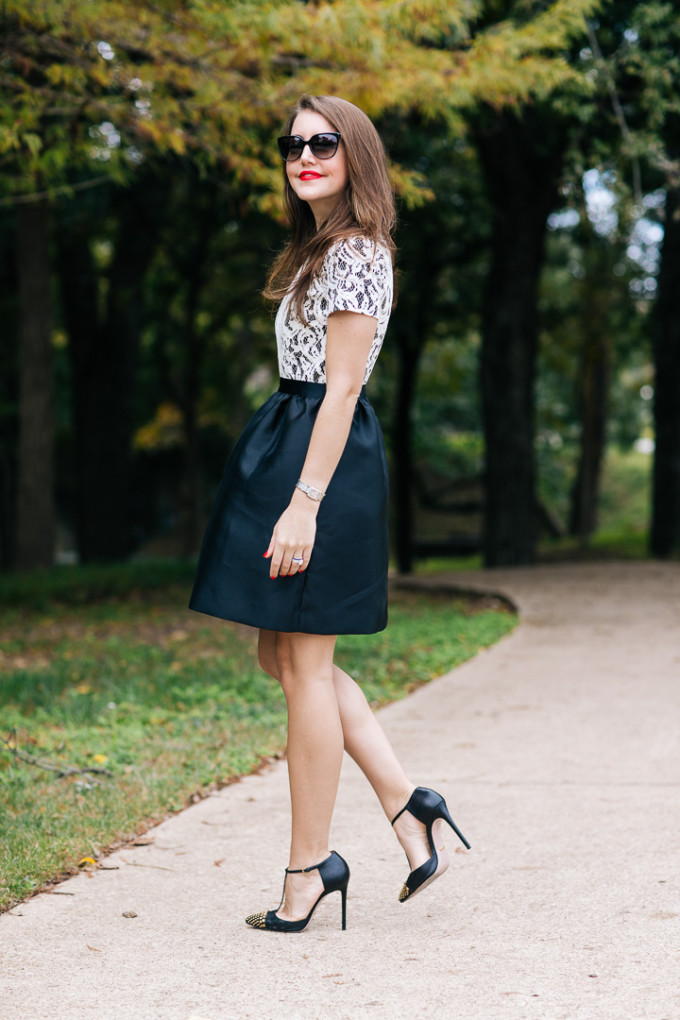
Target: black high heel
428,807
334,872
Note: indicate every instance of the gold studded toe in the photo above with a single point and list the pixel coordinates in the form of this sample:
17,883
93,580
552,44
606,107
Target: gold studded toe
257,920
404,894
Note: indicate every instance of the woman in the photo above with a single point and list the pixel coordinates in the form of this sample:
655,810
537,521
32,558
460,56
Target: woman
309,477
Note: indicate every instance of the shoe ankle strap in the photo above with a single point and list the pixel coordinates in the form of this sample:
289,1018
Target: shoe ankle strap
312,867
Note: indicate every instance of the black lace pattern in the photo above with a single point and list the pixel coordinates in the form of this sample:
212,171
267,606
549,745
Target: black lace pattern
356,276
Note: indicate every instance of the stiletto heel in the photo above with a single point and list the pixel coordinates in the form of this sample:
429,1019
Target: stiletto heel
429,808
447,818
334,872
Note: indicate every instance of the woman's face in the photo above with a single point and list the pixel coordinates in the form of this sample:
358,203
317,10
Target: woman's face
320,182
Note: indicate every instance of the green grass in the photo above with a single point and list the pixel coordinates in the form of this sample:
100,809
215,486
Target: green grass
624,513
625,500
624,519
39,589
169,703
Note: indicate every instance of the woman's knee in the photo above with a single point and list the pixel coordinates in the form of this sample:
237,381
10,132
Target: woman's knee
273,656
296,658
266,654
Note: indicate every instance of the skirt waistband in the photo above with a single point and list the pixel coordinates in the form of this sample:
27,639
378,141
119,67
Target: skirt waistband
307,389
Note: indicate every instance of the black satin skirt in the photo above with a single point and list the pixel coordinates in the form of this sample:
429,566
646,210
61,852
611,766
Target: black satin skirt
344,588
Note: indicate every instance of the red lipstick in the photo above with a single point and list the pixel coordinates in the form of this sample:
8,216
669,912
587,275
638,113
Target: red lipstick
309,175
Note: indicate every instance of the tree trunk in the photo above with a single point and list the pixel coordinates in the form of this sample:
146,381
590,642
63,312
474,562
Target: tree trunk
409,330
521,164
9,382
191,473
402,468
35,528
104,361
79,295
665,533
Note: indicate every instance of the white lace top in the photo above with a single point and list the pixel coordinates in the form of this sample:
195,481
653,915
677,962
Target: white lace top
355,276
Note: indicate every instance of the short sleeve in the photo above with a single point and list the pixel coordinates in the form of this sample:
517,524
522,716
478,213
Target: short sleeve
359,277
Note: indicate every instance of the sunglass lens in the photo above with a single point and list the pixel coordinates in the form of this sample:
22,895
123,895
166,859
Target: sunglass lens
324,146
290,147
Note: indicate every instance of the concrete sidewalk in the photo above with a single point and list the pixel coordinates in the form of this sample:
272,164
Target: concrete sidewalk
558,751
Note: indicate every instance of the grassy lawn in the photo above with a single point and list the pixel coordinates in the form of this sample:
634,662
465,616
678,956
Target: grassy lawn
623,520
104,669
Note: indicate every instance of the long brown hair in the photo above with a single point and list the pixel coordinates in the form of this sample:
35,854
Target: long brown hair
366,206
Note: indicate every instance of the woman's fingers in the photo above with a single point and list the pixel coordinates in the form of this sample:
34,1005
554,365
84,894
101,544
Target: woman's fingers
291,563
293,536
296,563
286,562
280,558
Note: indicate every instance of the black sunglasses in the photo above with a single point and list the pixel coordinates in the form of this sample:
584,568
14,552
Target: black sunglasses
323,145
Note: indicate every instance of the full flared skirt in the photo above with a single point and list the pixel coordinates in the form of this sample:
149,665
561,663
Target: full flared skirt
344,588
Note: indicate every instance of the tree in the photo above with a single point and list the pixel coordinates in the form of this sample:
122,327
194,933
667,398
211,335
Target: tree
104,326
204,329
100,90
653,59
665,532
35,517
641,63
522,158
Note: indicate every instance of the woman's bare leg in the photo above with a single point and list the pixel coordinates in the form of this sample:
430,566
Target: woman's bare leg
315,746
366,742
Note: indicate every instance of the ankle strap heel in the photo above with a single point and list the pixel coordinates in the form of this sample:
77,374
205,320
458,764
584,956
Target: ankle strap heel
334,872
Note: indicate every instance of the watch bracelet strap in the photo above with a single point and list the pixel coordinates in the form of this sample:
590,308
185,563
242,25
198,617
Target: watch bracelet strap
310,491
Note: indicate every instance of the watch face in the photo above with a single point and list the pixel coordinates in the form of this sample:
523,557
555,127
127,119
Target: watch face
309,490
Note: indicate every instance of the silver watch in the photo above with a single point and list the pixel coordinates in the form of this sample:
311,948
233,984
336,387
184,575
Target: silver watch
316,494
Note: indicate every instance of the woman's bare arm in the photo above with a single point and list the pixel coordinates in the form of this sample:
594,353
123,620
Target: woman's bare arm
348,344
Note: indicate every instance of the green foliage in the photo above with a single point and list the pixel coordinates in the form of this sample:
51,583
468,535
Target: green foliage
625,501
104,85
191,96
168,703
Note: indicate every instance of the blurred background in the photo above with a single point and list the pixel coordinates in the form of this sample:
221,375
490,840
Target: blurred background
529,388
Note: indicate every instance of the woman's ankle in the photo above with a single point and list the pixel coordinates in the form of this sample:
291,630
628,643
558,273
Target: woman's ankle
396,801
302,860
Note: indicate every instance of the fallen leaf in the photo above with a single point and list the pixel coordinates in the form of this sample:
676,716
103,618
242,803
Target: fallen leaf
93,948
86,860
100,758
221,861
129,913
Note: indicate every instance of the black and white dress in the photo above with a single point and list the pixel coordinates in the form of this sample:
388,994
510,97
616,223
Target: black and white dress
344,588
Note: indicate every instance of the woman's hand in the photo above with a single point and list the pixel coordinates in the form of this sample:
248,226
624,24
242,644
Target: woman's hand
293,536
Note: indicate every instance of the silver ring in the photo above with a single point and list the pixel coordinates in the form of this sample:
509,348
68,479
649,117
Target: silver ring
297,559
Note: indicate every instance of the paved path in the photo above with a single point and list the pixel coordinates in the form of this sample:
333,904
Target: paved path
559,753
